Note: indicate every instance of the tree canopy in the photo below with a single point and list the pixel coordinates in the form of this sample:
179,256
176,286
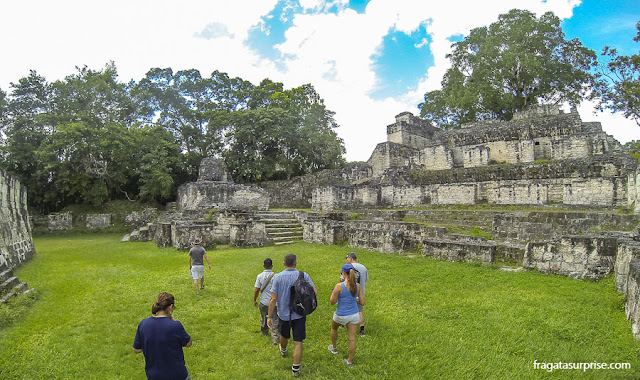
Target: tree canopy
618,86
517,61
90,138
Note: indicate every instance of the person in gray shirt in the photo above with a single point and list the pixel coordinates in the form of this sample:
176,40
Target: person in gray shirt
362,276
196,264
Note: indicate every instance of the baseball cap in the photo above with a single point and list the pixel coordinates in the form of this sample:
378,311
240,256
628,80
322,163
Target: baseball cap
347,267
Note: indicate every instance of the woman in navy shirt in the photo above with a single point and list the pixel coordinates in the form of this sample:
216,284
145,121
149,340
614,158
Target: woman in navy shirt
161,338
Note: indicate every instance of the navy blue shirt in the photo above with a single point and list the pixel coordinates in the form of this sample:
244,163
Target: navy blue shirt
161,341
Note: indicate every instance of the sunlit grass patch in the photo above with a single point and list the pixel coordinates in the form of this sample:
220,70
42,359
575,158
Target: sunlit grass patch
425,318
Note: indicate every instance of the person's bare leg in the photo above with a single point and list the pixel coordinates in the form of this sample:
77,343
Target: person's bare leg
352,328
202,283
297,352
334,333
195,283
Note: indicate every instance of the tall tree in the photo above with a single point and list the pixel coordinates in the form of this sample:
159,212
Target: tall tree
27,124
284,133
515,62
90,150
618,87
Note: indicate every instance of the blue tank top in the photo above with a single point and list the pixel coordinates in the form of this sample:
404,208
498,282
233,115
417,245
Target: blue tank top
347,304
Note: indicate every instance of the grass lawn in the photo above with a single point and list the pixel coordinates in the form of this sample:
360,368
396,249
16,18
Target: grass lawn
425,318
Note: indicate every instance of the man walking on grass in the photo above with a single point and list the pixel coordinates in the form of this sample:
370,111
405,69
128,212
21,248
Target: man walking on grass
196,264
361,277
263,284
290,321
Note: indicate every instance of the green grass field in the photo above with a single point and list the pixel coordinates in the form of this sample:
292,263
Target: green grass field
425,318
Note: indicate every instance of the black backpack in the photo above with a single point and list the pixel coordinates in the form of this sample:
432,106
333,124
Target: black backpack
303,298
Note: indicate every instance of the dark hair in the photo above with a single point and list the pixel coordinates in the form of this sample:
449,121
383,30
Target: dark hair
268,263
352,255
164,301
290,260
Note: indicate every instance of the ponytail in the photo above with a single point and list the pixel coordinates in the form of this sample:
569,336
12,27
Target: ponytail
352,282
164,301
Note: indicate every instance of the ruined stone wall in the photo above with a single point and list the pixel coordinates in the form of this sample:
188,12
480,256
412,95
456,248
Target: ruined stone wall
538,226
298,191
179,230
16,243
573,256
248,234
605,181
221,195
390,155
95,221
459,251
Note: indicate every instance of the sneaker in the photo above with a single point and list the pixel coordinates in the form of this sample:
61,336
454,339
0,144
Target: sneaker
296,374
347,361
283,352
332,349
362,335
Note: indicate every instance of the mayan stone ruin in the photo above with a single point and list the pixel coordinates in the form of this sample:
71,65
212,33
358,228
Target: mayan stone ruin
16,242
396,202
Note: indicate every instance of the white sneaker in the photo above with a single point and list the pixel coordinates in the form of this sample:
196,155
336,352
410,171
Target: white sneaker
332,349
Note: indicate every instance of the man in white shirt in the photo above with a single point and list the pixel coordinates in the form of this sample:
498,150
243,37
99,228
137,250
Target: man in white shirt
263,284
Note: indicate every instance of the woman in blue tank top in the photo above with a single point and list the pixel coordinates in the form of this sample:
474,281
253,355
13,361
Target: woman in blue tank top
348,294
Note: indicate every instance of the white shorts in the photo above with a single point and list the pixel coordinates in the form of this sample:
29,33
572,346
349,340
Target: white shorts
197,272
344,319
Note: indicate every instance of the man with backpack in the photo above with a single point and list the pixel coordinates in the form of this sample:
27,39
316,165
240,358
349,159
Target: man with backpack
293,307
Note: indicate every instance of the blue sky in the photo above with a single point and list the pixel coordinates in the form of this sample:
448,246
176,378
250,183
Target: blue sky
369,60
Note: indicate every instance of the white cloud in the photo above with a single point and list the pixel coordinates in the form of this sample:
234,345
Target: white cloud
331,51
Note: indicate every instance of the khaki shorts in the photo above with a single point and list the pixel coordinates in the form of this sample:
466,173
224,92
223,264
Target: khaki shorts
197,272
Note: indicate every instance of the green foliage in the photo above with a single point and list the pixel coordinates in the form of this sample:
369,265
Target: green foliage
355,216
618,87
91,139
210,214
94,292
16,308
282,133
515,62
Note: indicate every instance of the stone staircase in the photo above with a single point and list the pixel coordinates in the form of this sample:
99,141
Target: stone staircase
282,226
10,286
144,233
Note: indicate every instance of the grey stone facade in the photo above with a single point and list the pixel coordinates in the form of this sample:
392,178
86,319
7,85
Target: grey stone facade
95,221
61,222
16,243
542,157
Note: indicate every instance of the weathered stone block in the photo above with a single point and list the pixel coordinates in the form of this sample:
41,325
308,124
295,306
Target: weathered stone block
99,220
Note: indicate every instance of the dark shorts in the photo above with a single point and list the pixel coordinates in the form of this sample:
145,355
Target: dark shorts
298,327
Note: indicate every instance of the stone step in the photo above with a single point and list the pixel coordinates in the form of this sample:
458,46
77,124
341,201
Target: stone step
284,242
292,232
285,238
8,284
283,225
18,289
280,221
284,229
126,237
5,274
